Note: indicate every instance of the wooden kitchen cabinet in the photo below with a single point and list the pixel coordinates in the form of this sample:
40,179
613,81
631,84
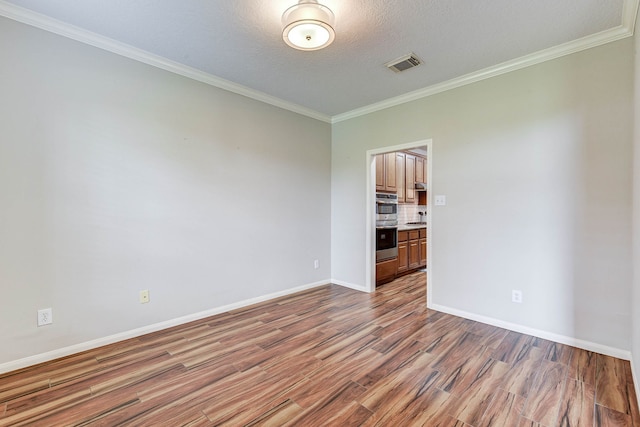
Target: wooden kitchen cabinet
419,169
380,172
401,177
386,179
403,251
423,247
414,249
421,176
410,178
386,270
398,172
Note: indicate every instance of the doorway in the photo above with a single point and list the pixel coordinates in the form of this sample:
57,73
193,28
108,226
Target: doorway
409,210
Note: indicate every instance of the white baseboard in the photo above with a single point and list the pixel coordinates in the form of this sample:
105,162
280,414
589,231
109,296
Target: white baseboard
349,285
574,342
90,345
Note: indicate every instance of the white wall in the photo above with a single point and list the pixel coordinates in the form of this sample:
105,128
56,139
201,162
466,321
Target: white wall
636,214
537,169
116,177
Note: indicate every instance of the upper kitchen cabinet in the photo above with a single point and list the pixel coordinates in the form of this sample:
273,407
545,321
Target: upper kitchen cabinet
400,177
410,178
398,173
386,175
421,177
421,169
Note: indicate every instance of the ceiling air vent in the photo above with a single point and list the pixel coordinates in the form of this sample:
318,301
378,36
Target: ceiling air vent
404,63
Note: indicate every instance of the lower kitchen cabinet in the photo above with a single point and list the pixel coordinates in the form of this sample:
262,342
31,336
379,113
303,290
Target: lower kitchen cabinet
386,270
412,250
412,255
423,247
403,252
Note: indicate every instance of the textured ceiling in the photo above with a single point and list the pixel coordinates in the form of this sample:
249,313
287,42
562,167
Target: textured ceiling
241,40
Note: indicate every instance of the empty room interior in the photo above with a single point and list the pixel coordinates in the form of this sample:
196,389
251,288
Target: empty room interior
320,213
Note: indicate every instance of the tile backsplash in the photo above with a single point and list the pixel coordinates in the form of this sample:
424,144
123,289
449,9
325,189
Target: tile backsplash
409,213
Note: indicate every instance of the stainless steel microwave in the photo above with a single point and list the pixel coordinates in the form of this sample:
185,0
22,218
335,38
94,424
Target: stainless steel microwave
386,210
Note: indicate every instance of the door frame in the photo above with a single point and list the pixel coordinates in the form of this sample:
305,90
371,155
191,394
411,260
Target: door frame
370,285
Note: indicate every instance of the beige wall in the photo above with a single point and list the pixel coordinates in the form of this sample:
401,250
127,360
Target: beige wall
116,176
537,169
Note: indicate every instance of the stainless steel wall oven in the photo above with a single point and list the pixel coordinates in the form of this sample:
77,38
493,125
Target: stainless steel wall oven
386,226
386,243
386,209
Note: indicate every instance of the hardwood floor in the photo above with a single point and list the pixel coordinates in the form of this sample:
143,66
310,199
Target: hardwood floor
327,357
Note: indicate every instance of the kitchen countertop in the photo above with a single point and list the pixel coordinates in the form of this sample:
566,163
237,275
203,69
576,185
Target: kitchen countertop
405,227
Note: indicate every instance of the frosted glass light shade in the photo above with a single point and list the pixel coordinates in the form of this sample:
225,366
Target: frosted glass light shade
308,26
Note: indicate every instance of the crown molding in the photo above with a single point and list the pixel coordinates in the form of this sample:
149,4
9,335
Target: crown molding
626,29
46,23
629,13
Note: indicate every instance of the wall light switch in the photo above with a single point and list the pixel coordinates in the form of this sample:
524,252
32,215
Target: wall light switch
516,296
441,200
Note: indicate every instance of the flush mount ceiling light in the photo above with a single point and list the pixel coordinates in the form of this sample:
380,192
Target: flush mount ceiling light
308,26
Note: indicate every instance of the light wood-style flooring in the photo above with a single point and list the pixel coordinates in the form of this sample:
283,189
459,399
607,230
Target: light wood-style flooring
329,356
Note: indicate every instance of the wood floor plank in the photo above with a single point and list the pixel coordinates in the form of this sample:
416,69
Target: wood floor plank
582,366
471,405
231,407
512,345
202,390
459,377
606,417
335,347
559,353
439,333
24,388
611,384
143,408
68,372
525,422
33,407
277,416
504,410
446,421
330,408
631,394
391,362
490,335
324,381
401,388
578,405
545,397
47,370
303,364
83,412
323,357
219,354
427,411
522,373
70,393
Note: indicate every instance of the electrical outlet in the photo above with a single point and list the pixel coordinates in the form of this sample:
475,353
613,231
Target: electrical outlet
441,200
316,264
516,296
144,296
45,317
